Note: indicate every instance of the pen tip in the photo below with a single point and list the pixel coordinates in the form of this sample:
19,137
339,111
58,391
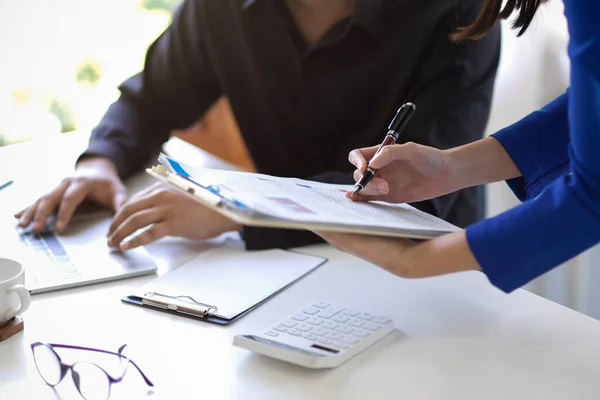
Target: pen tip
355,191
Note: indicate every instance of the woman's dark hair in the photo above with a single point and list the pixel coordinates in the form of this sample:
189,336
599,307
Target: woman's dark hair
492,11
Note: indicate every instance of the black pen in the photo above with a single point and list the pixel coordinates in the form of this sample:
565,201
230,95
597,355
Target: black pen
394,130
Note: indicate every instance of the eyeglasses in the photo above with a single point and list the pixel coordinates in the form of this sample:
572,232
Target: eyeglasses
91,381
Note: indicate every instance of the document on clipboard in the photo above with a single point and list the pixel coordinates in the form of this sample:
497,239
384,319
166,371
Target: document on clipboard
273,202
225,283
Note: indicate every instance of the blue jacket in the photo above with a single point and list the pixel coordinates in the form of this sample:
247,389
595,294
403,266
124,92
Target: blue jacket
557,150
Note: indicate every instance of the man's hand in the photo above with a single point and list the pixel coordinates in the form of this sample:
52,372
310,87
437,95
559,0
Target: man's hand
165,212
95,179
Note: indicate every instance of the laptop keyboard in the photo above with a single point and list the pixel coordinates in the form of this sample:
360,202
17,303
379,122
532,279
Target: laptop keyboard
51,262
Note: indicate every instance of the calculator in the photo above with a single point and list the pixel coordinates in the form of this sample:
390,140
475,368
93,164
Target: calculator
320,335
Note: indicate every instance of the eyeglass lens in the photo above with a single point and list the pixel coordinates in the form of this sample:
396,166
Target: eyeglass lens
47,364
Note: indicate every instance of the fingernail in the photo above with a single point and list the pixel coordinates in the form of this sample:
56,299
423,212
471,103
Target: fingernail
125,246
381,188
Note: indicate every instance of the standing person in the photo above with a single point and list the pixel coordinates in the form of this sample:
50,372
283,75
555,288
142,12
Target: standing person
550,159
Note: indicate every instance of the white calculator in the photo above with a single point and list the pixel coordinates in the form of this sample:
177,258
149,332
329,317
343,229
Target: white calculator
321,335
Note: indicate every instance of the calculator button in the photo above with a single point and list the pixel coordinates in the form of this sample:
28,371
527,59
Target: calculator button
381,320
300,317
279,328
329,312
361,334
350,339
319,331
357,323
341,345
289,323
304,327
325,341
314,321
350,312
366,316
308,336
371,326
330,325
311,310
342,319
345,329
295,333
271,333
334,335
321,304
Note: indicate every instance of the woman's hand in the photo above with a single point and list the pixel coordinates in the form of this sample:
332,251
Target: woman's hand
407,258
405,173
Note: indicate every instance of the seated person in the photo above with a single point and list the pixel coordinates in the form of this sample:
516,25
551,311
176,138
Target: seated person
307,80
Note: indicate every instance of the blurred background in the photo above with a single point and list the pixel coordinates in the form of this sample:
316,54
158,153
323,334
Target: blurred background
62,60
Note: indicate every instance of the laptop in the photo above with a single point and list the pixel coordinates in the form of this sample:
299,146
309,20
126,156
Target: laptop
77,256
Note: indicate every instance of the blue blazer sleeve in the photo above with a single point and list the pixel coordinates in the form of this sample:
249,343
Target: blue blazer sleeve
548,159
560,217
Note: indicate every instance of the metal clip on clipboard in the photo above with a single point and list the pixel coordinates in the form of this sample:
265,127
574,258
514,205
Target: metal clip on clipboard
180,304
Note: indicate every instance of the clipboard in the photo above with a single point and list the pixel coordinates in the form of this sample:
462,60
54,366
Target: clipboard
223,284
292,203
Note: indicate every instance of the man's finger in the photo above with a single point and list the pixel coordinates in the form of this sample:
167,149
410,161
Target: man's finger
119,199
152,234
130,208
47,204
71,199
135,221
28,214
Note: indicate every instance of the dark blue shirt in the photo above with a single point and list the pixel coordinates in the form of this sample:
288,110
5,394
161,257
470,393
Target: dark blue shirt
301,109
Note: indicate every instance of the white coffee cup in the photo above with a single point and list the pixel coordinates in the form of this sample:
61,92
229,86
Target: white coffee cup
14,297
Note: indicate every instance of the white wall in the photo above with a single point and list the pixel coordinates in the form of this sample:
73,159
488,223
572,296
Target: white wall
534,69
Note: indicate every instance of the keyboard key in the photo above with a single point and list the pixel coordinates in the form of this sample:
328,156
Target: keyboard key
319,331
350,339
361,334
311,310
295,333
345,329
371,326
308,336
341,345
334,335
366,316
272,333
300,317
350,312
321,304
289,323
314,321
279,328
357,323
342,319
381,320
330,325
329,312
325,341
303,327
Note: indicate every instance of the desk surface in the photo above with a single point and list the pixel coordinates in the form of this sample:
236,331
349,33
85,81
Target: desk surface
458,337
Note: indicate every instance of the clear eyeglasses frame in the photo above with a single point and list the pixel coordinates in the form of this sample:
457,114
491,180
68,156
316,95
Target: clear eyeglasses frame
91,380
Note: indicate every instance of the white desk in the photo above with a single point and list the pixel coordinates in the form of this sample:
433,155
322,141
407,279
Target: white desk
459,338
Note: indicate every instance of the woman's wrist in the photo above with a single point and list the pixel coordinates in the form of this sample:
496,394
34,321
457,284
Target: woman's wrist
478,163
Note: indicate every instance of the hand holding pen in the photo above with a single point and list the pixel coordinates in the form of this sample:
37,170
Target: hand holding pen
394,130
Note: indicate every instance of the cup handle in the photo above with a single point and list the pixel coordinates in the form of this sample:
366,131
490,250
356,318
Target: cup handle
25,301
